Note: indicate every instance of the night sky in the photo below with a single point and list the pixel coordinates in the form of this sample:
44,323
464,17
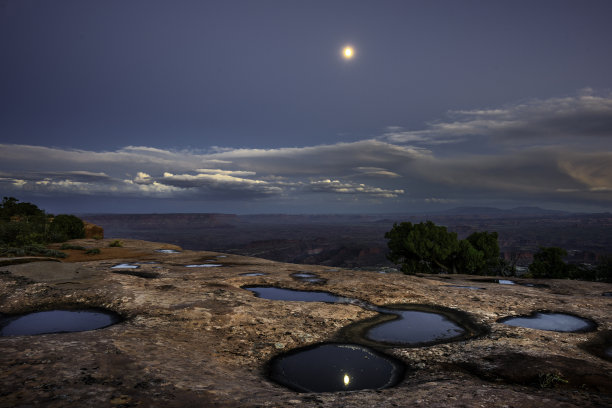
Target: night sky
251,107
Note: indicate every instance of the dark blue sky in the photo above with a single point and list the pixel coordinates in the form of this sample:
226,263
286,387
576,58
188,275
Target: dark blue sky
446,103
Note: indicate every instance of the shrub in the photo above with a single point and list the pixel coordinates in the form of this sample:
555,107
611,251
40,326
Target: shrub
92,251
75,247
65,227
31,250
423,247
427,247
548,263
116,244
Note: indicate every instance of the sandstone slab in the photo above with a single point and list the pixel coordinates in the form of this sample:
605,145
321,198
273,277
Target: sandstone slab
194,337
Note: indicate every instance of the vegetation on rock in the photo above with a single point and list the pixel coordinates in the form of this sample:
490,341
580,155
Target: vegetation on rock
430,248
25,229
427,247
548,263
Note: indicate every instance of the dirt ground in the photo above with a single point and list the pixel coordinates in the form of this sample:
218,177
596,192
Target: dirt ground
195,337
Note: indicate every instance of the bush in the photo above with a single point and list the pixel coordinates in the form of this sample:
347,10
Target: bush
65,227
548,263
603,270
92,251
116,244
427,247
74,247
30,250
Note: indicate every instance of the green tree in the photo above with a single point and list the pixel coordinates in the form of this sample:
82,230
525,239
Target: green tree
65,227
603,270
548,263
423,247
468,259
21,223
11,207
486,242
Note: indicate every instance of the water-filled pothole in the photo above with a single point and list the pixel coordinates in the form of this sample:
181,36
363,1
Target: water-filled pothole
535,285
273,293
408,325
500,281
253,274
511,282
335,367
168,251
126,266
413,326
308,277
607,294
551,321
203,266
57,321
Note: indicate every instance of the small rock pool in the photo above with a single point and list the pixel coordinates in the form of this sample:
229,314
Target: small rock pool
57,321
551,321
415,327
273,293
335,367
405,325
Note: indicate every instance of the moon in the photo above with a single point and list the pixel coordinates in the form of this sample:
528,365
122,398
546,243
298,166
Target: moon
348,52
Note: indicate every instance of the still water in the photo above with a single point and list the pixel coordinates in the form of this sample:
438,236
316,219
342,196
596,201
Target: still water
56,321
336,367
273,293
413,327
560,322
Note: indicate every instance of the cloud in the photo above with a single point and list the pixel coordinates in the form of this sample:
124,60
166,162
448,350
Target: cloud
570,119
218,182
237,173
376,172
337,186
554,150
333,160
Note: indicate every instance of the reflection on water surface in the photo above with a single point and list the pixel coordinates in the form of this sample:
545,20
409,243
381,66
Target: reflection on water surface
336,367
56,321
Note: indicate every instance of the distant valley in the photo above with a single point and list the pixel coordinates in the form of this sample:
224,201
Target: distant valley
357,241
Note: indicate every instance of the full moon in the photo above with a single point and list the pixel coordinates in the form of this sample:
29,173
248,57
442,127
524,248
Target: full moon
348,52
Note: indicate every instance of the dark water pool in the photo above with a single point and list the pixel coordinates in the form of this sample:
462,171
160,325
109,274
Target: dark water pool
335,367
126,266
560,322
167,251
308,277
273,293
57,321
304,275
203,266
253,274
415,327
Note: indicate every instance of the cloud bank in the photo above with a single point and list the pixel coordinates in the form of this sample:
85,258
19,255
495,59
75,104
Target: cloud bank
555,151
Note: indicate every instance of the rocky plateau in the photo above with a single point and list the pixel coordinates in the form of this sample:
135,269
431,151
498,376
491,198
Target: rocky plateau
194,337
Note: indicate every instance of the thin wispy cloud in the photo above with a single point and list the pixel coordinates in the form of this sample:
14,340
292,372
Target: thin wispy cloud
556,150
575,120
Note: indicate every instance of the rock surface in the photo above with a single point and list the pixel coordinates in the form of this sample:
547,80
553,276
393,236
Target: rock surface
193,337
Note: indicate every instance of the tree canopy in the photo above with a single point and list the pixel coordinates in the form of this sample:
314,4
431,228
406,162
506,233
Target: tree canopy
427,247
24,224
548,263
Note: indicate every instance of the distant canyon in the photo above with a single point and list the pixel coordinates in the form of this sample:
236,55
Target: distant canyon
357,241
